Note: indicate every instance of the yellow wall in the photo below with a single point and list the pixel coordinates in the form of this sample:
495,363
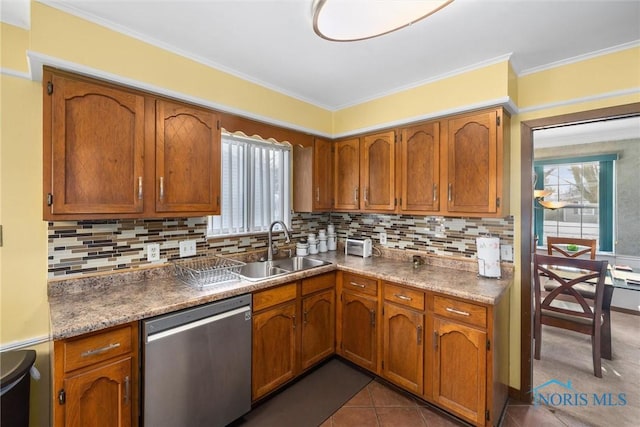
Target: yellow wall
594,83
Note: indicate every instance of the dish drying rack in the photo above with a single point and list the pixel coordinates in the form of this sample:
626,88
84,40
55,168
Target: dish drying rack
207,271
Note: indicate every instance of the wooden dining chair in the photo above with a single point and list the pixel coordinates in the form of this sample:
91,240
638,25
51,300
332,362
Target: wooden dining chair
585,318
559,244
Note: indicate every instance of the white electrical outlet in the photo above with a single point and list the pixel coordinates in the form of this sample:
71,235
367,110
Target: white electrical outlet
506,252
153,252
187,248
383,238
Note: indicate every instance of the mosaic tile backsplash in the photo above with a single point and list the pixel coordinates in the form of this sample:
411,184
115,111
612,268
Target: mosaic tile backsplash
79,248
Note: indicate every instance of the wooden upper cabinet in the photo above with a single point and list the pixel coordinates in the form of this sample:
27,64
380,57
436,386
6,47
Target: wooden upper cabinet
378,172
187,159
420,168
322,174
347,174
93,148
475,164
312,176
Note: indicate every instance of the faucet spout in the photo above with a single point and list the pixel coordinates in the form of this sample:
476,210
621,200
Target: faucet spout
286,234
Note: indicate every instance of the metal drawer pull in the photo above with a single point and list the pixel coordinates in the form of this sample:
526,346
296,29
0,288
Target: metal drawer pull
127,388
357,284
139,187
460,312
162,187
403,297
100,350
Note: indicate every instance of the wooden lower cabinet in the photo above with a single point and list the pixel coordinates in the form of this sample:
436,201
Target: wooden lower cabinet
96,379
460,369
403,335
293,330
274,348
359,329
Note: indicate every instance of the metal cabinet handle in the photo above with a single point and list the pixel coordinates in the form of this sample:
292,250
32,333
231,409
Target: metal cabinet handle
366,194
450,192
419,334
100,350
304,318
140,187
460,312
317,194
294,321
373,317
435,340
162,187
357,284
435,192
127,389
402,297
355,192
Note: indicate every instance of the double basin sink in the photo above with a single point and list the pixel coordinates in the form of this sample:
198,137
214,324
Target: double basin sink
260,270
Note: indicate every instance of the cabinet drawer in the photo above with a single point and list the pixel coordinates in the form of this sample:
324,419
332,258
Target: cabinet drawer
316,283
96,348
404,296
360,284
275,296
460,310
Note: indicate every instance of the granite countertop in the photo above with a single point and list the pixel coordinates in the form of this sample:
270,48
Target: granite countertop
85,305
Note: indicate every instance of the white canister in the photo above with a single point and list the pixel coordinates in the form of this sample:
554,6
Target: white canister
321,234
332,242
322,244
313,247
302,249
331,229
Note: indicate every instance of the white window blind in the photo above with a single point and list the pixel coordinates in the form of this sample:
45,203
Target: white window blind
256,183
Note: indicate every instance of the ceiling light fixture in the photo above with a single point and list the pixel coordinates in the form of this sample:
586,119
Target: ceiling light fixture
351,20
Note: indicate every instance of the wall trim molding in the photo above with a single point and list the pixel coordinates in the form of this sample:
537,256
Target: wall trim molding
573,101
15,73
29,342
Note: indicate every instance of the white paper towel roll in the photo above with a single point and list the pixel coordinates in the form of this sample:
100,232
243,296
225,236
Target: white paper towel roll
488,256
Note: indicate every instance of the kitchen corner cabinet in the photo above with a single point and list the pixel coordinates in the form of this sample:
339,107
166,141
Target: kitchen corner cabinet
358,320
476,164
420,168
114,152
313,178
96,378
293,329
403,337
364,173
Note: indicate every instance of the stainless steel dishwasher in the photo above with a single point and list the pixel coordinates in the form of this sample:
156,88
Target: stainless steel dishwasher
197,365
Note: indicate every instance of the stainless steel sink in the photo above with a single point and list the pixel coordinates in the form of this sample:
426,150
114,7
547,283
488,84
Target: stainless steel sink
259,270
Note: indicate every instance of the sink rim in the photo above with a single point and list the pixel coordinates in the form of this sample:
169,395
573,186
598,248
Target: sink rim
278,264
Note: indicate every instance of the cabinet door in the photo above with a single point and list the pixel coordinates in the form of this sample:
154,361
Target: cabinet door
420,150
100,397
96,149
359,326
187,159
378,172
472,148
318,327
274,348
346,178
322,176
403,360
460,369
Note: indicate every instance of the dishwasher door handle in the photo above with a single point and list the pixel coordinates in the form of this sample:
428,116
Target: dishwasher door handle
176,330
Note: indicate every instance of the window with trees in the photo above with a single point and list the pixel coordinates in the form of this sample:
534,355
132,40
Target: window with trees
585,185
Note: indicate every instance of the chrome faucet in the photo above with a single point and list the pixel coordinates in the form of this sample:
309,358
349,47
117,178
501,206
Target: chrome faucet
286,233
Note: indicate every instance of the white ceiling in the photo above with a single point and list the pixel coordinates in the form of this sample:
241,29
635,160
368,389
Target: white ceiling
271,42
